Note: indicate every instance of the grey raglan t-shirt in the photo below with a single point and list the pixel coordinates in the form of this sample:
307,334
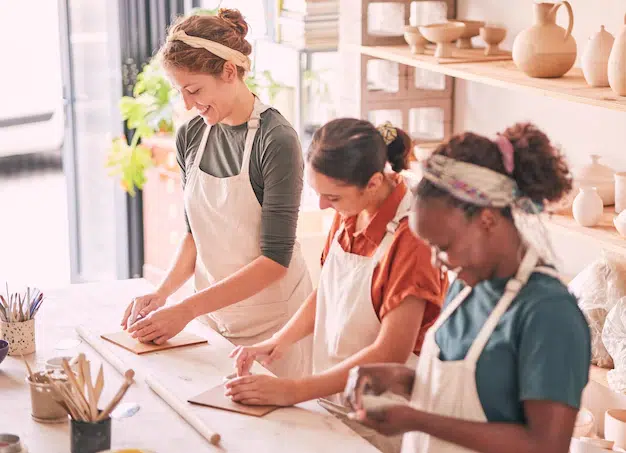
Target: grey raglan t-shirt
276,172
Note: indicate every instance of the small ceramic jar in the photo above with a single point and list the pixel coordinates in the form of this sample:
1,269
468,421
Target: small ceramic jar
20,336
588,207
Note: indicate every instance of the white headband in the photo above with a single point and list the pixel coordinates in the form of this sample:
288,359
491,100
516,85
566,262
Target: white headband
216,48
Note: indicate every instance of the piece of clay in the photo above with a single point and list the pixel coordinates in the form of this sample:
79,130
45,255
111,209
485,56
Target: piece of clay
375,402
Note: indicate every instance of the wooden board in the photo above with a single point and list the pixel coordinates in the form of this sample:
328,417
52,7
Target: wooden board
215,398
504,74
126,341
474,55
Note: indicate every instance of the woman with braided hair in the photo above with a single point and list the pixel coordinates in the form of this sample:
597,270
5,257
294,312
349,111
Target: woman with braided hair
504,367
378,291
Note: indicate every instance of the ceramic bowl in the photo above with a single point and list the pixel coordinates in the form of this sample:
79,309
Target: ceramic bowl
443,34
414,39
4,350
615,426
585,423
472,28
492,36
584,445
56,363
620,223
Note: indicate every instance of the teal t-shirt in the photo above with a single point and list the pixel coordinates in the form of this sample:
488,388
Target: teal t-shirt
540,349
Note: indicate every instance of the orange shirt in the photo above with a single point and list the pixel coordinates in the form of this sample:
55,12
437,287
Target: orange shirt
405,270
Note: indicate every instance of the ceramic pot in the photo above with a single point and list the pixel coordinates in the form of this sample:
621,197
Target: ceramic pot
546,50
472,28
595,58
443,34
415,40
599,176
587,207
615,427
620,191
617,63
86,437
44,408
20,336
492,36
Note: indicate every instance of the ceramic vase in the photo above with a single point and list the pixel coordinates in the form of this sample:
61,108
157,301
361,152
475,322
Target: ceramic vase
20,336
595,58
617,63
599,176
546,50
620,192
587,207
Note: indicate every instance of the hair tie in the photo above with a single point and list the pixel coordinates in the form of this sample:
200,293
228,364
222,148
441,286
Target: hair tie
388,131
506,149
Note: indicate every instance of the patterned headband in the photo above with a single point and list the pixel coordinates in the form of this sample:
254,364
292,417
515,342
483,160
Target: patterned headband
220,50
471,183
388,131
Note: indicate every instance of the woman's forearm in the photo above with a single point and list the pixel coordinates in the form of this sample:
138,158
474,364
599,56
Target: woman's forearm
301,323
246,282
181,269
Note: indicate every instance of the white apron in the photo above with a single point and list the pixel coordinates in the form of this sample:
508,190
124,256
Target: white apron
345,319
225,219
448,388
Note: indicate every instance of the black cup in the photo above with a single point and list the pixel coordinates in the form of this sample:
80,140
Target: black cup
91,437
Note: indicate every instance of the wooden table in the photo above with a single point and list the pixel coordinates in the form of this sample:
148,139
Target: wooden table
186,372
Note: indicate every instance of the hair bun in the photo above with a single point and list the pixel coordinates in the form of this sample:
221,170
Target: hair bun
234,19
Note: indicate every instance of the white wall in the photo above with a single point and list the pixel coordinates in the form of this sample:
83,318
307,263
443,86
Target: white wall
580,129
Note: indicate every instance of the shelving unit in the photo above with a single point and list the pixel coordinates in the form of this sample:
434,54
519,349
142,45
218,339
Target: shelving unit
504,74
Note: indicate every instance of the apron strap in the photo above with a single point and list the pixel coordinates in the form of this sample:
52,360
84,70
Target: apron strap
201,148
450,308
253,126
512,289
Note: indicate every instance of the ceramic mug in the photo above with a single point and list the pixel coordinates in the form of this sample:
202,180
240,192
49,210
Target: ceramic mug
20,336
44,407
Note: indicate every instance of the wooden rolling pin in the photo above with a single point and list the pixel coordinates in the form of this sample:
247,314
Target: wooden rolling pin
106,353
183,410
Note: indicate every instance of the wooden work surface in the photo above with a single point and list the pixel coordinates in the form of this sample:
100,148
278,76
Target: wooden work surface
504,74
185,372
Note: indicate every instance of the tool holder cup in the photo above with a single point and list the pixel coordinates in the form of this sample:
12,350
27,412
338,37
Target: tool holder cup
44,408
20,336
90,437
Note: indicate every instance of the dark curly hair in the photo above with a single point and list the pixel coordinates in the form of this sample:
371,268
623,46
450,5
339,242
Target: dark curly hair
352,151
540,170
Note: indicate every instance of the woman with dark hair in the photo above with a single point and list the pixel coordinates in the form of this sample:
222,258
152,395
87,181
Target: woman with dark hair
378,291
504,366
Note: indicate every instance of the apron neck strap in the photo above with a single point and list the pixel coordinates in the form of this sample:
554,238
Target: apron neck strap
254,123
511,290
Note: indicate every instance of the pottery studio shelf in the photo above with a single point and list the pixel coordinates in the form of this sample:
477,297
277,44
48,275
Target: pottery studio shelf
504,74
604,232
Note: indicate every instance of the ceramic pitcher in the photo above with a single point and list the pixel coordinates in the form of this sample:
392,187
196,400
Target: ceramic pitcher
617,63
545,49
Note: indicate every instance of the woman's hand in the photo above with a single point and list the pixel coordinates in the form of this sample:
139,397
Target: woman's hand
142,306
377,379
261,389
245,355
390,421
161,325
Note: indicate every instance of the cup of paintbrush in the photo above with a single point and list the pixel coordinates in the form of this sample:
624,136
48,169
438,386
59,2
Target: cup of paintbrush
17,319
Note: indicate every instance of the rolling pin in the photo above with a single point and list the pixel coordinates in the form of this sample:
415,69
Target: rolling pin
183,410
106,354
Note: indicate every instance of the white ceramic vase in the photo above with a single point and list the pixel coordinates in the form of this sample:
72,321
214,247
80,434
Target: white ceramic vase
588,207
617,63
599,176
595,58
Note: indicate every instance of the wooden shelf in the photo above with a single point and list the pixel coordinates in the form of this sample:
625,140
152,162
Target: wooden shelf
571,87
604,233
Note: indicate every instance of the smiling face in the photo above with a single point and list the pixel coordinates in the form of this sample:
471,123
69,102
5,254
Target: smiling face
212,96
348,200
467,245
